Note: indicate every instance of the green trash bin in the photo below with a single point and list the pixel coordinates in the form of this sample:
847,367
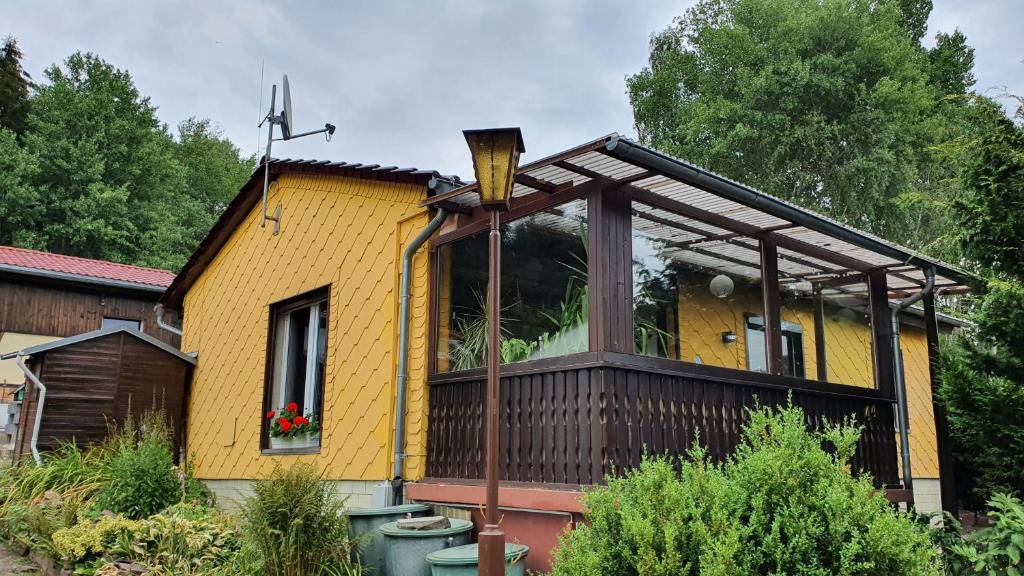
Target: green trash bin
463,560
367,521
407,549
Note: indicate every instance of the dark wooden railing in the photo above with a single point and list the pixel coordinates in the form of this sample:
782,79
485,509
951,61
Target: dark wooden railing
574,419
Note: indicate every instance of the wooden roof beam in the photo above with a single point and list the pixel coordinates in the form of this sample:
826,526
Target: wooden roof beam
542,185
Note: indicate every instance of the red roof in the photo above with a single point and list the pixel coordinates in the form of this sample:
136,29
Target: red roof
100,269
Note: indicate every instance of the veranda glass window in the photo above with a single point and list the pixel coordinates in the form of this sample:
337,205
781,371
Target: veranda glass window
544,305
833,313
694,285
299,353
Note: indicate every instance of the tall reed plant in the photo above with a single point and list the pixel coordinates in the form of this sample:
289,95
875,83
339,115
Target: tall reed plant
296,524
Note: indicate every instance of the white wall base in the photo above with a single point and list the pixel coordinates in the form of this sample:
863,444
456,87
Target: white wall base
231,493
927,495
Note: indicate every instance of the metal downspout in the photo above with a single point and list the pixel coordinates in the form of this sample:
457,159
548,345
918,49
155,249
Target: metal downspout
39,408
901,384
403,346
158,311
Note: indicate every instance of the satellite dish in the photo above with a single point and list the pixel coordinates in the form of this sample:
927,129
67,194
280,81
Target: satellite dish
287,121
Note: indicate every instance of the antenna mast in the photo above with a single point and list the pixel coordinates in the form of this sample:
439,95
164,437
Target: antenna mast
284,120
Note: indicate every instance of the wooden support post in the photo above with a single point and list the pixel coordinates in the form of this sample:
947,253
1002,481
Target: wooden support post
821,358
772,306
947,474
881,331
610,271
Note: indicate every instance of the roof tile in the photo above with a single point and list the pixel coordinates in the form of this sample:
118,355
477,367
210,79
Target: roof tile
36,260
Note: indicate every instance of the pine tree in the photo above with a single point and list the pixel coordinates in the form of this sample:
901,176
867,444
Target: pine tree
14,88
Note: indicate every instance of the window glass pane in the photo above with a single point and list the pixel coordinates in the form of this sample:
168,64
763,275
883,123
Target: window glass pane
295,371
321,358
849,348
655,297
840,351
694,286
543,291
298,376
120,322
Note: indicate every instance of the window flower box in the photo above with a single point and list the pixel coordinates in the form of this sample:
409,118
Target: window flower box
289,429
294,442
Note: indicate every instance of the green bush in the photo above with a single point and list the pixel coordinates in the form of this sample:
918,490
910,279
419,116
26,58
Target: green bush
993,551
143,478
88,539
296,525
780,505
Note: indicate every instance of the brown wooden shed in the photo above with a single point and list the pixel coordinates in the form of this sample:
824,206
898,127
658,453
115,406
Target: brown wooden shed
95,380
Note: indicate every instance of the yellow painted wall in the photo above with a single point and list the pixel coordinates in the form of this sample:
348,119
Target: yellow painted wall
703,318
12,342
348,233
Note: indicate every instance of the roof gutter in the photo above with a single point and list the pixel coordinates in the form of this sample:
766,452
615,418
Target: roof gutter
901,381
39,406
403,339
625,149
80,278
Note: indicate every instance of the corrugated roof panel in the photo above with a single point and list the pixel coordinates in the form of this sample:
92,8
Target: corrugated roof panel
838,246
606,165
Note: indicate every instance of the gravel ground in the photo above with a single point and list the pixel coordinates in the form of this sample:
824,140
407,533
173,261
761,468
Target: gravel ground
12,564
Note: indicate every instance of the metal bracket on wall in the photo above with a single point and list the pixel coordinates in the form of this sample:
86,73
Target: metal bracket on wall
276,218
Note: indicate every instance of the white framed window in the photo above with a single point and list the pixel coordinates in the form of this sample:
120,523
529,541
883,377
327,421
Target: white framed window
297,354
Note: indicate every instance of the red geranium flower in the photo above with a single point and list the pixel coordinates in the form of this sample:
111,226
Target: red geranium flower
271,414
285,425
301,421
293,407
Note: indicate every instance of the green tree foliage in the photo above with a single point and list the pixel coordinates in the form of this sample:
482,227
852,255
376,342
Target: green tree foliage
831,104
14,88
983,372
991,219
96,173
952,63
780,505
914,17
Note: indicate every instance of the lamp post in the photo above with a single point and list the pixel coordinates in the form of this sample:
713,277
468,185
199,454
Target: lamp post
495,159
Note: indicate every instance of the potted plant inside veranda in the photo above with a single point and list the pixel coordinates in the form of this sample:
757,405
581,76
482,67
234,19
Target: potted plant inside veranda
290,429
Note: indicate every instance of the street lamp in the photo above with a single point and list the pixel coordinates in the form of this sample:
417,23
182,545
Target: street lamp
495,159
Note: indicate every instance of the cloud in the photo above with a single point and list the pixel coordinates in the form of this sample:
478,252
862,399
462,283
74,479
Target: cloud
401,80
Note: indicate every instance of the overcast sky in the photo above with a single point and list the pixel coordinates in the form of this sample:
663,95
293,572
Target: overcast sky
401,80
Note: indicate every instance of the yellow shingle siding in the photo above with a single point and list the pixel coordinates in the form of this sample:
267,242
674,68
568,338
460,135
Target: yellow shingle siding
924,452
347,233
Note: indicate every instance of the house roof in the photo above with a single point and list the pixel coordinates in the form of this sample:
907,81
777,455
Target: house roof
711,222
84,270
250,195
98,334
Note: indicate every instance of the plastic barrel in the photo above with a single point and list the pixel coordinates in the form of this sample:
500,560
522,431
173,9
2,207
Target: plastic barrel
463,560
407,549
365,523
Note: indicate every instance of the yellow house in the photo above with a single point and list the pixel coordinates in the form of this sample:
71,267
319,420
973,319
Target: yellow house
646,304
